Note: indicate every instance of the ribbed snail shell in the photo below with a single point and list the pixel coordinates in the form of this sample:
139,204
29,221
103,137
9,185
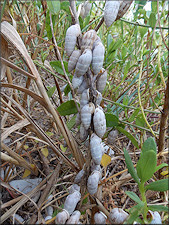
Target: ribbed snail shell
98,40
111,11
86,114
118,216
73,188
101,82
71,36
78,119
99,121
98,57
73,60
77,81
100,218
71,201
98,98
112,136
85,9
83,62
124,6
74,219
83,86
61,217
83,133
79,176
95,167
88,39
96,148
93,181
84,98
155,216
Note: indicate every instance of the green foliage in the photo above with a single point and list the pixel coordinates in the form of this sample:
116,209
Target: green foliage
159,185
57,66
54,6
67,108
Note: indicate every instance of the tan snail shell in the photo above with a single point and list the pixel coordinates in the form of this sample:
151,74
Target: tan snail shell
71,201
74,219
118,216
77,81
83,133
96,148
61,217
100,218
79,176
111,11
88,39
78,119
86,114
101,82
83,62
93,181
71,37
73,60
83,86
84,98
98,98
99,121
124,6
73,188
98,57
112,136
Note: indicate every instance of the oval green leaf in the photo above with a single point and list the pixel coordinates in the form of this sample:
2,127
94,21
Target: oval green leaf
159,185
67,108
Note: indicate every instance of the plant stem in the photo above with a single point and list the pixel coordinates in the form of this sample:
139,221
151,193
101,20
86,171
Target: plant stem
142,191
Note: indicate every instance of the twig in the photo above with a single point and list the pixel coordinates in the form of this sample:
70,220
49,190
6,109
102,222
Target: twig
60,59
99,24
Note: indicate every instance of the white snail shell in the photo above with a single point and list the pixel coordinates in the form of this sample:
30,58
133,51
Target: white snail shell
156,218
100,218
98,57
71,37
96,148
124,6
112,136
49,210
73,60
93,181
73,188
71,201
98,40
83,62
83,133
88,39
110,12
118,216
78,119
86,114
74,219
79,176
61,217
77,81
107,150
48,218
85,9
101,82
98,98
95,167
83,86
84,98
99,121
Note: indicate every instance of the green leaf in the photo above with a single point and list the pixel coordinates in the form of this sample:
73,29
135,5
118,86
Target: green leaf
51,90
134,114
57,66
123,52
152,19
161,166
134,213
154,6
67,89
146,165
160,208
65,6
159,185
71,122
111,120
140,120
130,136
143,31
54,6
133,196
130,166
149,144
67,108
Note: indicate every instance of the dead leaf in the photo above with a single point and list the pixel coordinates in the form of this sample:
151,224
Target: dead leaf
106,160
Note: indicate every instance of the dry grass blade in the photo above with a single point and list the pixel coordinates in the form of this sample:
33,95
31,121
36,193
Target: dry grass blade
12,36
31,93
22,162
56,150
20,124
8,158
24,199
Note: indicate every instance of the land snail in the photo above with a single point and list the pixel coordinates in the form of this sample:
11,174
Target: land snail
96,148
101,81
99,121
85,9
98,57
86,114
88,39
112,136
93,181
155,217
124,6
73,60
118,216
77,81
74,218
100,218
49,209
